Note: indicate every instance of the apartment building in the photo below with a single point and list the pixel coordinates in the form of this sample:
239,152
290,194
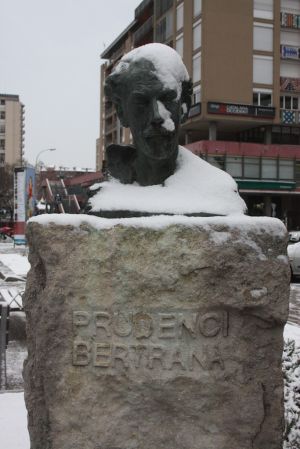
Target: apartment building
12,130
244,60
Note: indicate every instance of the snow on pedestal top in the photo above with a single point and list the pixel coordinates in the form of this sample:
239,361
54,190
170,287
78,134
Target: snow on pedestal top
195,187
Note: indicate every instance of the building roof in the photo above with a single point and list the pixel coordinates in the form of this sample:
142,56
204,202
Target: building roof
107,52
10,96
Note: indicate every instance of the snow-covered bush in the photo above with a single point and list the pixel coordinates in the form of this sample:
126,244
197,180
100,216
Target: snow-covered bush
291,374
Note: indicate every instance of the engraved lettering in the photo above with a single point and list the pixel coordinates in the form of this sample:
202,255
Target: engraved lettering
210,324
167,325
141,352
122,324
225,323
157,353
177,359
197,358
103,321
143,325
120,352
102,355
81,318
187,322
81,353
214,358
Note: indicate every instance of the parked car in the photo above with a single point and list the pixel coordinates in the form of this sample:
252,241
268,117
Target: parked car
294,236
294,258
6,231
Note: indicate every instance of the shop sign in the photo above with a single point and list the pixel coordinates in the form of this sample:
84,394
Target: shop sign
195,110
288,52
240,109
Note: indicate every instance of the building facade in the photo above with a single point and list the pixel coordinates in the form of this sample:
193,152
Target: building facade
244,60
12,130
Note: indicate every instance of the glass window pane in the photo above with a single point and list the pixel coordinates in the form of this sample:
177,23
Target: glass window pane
197,7
295,103
286,169
255,98
197,36
196,94
281,102
169,24
265,99
288,102
197,68
251,167
268,168
179,17
179,45
234,166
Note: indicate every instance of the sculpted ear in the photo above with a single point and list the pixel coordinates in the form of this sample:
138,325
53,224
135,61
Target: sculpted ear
186,99
112,92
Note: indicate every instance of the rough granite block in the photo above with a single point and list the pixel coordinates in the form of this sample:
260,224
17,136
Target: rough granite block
165,338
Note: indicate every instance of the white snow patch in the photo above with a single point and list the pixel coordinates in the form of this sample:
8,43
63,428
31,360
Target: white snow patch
292,332
196,186
283,258
219,237
168,64
258,293
168,123
17,263
13,421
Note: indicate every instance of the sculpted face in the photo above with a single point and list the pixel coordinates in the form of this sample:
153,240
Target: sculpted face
152,112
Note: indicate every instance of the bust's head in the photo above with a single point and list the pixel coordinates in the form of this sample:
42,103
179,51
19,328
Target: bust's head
151,90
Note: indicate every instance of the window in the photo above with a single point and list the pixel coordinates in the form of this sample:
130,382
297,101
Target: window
197,7
263,37
251,167
2,129
179,17
262,97
286,169
179,44
2,115
291,102
234,166
263,69
2,102
197,67
268,168
2,144
196,95
197,35
162,6
164,29
263,9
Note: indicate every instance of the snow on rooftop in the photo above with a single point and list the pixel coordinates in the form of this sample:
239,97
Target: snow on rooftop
169,68
196,186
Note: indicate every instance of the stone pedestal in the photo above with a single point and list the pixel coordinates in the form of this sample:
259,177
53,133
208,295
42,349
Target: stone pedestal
167,338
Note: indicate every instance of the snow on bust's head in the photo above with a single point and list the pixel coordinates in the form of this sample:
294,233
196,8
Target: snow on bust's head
169,67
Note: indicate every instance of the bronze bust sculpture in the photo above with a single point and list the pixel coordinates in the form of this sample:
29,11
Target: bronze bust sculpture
153,108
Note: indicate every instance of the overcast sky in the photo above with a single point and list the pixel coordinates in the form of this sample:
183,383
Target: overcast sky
50,57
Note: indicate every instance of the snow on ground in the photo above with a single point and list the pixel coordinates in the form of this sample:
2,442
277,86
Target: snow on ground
17,263
13,422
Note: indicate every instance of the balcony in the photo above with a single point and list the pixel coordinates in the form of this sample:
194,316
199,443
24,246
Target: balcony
288,20
289,117
142,8
141,32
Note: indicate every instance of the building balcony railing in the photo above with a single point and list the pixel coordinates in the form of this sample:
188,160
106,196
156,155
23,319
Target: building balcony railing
289,117
288,20
141,32
290,84
109,128
142,7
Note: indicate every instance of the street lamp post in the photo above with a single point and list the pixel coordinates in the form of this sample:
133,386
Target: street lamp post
43,151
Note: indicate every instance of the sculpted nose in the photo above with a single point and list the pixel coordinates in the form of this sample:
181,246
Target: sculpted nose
156,117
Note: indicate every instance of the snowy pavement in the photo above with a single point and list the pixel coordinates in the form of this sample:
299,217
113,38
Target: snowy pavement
13,415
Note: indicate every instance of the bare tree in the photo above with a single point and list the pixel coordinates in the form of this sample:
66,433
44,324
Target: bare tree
7,189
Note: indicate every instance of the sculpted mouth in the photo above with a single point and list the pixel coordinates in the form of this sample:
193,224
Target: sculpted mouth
162,133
